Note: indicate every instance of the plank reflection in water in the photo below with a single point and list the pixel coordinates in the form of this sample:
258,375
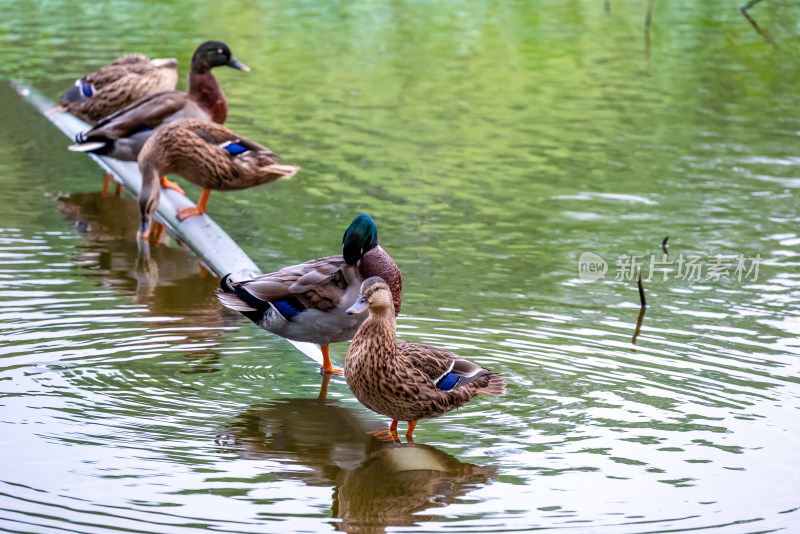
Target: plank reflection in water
165,280
376,484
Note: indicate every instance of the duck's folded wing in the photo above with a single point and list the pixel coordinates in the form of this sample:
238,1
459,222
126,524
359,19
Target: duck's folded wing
113,95
293,280
149,112
219,135
445,369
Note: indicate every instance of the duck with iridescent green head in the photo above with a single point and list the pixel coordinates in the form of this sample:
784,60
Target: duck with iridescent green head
309,302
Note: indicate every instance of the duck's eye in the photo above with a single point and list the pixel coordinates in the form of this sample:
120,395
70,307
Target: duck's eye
220,51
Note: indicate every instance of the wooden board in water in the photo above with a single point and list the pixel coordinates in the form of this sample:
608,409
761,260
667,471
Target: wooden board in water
200,234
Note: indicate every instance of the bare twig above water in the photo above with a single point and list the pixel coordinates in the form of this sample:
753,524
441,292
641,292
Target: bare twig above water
641,286
648,19
638,325
744,9
644,304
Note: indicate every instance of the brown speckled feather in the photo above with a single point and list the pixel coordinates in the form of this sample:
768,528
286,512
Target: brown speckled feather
399,379
193,149
120,84
204,100
317,284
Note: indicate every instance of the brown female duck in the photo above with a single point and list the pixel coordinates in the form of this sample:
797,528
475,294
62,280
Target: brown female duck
402,380
123,134
309,302
118,84
207,154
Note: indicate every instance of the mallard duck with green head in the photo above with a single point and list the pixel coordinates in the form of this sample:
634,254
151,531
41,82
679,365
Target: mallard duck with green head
119,84
309,302
402,380
123,134
207,154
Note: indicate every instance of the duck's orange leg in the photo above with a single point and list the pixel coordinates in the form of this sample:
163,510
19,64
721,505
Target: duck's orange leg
107,179
410,432
185,213
156,232
327,366
168,184
118,189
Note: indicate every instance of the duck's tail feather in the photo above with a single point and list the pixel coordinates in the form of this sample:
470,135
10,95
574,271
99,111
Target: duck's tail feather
72,95
233,302
95,147
496,386
96,144
285,171
80,93
227,297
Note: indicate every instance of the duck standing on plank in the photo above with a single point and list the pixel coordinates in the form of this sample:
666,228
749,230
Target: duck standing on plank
402,380
308,302
119,84
207,154
123,134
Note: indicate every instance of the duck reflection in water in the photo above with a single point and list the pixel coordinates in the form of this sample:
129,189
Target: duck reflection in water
164,278
377,484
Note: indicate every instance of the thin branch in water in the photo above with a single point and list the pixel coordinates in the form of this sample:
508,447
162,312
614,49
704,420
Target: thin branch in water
641,286
638,325
744,10
608,6
664,246
648,19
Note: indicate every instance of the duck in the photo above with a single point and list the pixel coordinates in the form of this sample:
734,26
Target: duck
206,154
122,135
118,84
402,380
309,302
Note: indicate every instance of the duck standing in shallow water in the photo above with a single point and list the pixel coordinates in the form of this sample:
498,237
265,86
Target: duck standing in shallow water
402,380
207,154
309,302
119,84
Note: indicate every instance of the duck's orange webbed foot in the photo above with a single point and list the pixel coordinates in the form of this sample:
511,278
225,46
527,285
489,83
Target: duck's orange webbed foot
185,213
168,184
189,211
327,366
387,435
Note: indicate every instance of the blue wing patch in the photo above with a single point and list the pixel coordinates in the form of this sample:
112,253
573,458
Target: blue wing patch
286,309
234,149
86,88
448,382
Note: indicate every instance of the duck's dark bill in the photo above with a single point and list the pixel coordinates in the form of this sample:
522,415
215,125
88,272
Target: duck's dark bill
236,64
360,305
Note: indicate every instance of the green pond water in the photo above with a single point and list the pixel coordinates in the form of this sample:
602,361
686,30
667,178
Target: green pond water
494,143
